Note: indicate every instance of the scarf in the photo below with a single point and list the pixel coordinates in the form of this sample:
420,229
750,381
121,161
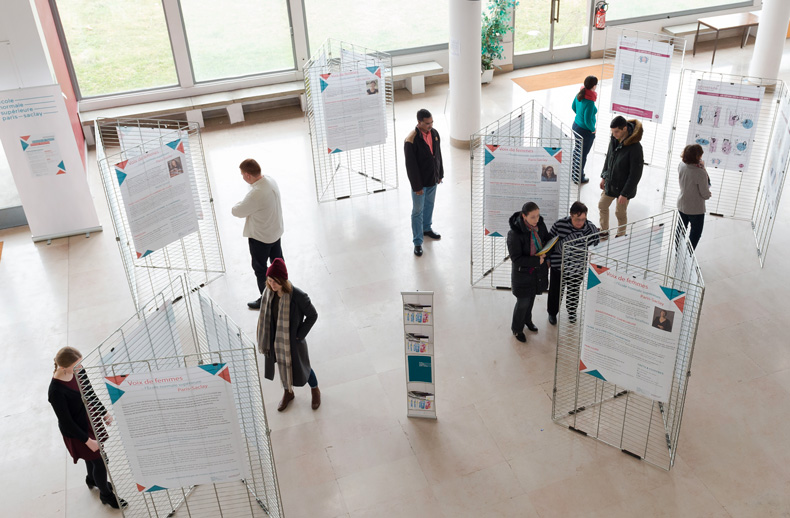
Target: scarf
282,337
534,242
590,94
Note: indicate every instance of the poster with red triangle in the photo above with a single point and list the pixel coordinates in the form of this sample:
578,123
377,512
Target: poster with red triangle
43,155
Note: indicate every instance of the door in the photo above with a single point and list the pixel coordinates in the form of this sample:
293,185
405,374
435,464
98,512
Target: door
550,31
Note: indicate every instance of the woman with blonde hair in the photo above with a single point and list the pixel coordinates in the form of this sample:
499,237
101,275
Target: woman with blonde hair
74,423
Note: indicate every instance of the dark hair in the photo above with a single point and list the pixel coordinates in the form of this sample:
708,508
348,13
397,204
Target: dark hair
578,208
250,166
618,122
589,83
529,207
66,356
691,154
423,114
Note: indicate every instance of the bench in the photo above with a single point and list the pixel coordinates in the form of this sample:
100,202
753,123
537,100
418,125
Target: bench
687,29
414,75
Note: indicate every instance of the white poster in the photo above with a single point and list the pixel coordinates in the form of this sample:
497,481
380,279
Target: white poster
778,151
158,197
514,176
354,108
641,76
723,121
631,332
179,427
43,155
45,161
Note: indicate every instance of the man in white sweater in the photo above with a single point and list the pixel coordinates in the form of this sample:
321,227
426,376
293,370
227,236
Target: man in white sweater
263,224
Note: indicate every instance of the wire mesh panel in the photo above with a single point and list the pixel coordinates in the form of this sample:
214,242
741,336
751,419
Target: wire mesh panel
530,126
644,48
655,249
198,254
774,174
352,132
184,328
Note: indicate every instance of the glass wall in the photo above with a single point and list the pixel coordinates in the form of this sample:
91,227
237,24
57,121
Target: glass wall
627,9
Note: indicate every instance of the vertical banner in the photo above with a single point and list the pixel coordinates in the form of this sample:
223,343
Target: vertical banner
418,328
641,76
179,427
515,175
46,163
631,332
723,121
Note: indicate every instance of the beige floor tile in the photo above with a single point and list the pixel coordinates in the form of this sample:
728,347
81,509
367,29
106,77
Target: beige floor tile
478,491
395,480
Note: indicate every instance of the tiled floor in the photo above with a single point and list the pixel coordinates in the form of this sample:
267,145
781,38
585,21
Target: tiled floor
494,450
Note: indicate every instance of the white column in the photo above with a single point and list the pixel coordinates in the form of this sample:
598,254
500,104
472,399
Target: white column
464,70
771,35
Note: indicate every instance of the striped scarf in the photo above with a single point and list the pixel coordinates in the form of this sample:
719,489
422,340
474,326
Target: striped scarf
282,337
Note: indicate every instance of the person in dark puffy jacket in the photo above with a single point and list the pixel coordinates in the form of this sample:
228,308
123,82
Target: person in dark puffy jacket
622,170
525,239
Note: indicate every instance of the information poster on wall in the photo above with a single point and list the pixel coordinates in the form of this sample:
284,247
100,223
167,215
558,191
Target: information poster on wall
158,197
43,155
631,332
515,175
418,329
179,427
723,121
641,77
354,108
778,154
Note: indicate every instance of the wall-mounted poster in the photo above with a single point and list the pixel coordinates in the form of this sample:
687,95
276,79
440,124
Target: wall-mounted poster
641,76
631,332
723,121
515,175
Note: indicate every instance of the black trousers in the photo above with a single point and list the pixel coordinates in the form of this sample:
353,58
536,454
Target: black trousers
697,221
572,284
262,255
97,473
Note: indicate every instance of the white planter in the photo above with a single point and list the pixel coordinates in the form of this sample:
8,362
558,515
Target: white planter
487,76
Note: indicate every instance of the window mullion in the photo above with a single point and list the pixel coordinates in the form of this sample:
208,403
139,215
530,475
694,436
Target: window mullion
178,42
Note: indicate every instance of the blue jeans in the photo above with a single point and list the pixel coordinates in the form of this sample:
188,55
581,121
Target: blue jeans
422,213
588,137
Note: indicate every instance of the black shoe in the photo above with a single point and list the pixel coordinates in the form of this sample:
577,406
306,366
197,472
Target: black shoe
418,250
520,337
255,304
89,482
113,501
553,320
532,327
432,234
585,180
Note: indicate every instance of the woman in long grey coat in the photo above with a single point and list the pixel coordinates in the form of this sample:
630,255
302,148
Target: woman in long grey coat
286,316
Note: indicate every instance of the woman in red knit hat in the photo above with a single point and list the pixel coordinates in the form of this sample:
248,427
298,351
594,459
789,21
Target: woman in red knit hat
286,316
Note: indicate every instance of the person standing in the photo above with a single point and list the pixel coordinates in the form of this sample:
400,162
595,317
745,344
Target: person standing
425,170
584,124
263,225
567,229
622,170
286,316
694,190
74,423
525,239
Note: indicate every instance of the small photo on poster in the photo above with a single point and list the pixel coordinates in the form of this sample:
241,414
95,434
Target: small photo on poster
174,167
373,87
547,174
662,319
625,81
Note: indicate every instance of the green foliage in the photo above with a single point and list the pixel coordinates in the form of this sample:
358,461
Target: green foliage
496,23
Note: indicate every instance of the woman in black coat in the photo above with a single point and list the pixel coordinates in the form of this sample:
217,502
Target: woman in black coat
526,237
283,304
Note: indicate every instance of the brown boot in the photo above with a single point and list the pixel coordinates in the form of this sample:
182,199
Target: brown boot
287,398
316,397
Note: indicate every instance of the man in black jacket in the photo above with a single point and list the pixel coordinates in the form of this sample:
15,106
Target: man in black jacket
425,170
622,170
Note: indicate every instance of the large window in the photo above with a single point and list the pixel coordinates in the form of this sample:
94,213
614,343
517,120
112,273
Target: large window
628,9
378,24
117,45
237,37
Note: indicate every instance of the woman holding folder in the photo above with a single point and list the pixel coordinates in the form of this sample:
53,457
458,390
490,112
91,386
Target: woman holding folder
528,235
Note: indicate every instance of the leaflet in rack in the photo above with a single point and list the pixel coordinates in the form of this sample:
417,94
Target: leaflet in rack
420,367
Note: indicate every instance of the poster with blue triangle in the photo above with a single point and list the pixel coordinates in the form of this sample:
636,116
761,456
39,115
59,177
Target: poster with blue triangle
631,329
43,155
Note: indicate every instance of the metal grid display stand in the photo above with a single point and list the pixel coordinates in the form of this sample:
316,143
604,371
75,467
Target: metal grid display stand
735,193
657,135
531,125
655,249
372,169
182,327
200,253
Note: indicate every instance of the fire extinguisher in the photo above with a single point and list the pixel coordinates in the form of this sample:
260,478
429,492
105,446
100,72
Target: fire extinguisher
600,15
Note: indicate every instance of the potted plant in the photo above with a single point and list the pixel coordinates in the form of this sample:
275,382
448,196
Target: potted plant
496,23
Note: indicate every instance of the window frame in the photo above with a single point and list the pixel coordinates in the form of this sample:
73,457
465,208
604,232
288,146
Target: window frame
678,14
